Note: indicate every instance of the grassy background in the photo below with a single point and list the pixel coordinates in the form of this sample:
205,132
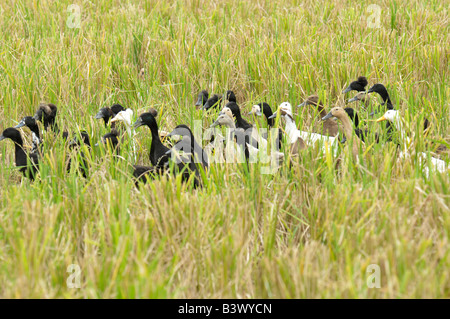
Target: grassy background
309,231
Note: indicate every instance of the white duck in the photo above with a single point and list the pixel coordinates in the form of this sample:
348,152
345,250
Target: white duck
285,110
234,153
393,116
126,118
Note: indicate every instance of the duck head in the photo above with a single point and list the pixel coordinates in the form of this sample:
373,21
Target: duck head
358,85
124,116
202,98
391,116
27,121
256,110
223,119
310,100
146,119
13,134
337,112
213,101
46,113
361,96
285,110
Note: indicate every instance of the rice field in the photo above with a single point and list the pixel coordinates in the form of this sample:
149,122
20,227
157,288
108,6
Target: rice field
321,227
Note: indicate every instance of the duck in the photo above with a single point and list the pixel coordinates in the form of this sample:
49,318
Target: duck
382,91
233,110
236,113
75,144
330,127
202,98
111,140
30,122
264,108
393,116
158,150
186,162
363,97
106,113
28,163
307,138
199,154
236,149
212,102
342,115
215,148
361,133
126,117
140,172
358,85
46,114
230,96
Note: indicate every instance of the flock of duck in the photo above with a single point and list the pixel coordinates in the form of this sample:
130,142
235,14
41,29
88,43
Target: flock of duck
243,142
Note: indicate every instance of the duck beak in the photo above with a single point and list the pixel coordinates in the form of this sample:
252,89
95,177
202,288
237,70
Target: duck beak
381,119
347,90
273,115
206,106
353,99
138,123
215,124
302,105
328,116
172,135
21,124
199,101
344,140
2,137
370,90
98,116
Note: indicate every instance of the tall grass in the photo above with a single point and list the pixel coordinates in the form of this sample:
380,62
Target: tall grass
310,230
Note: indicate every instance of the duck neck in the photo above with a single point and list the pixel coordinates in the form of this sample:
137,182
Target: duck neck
155,136
385,96
21,156
241,122
290,127
398,124
268,113
35,130
320,109
346,123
